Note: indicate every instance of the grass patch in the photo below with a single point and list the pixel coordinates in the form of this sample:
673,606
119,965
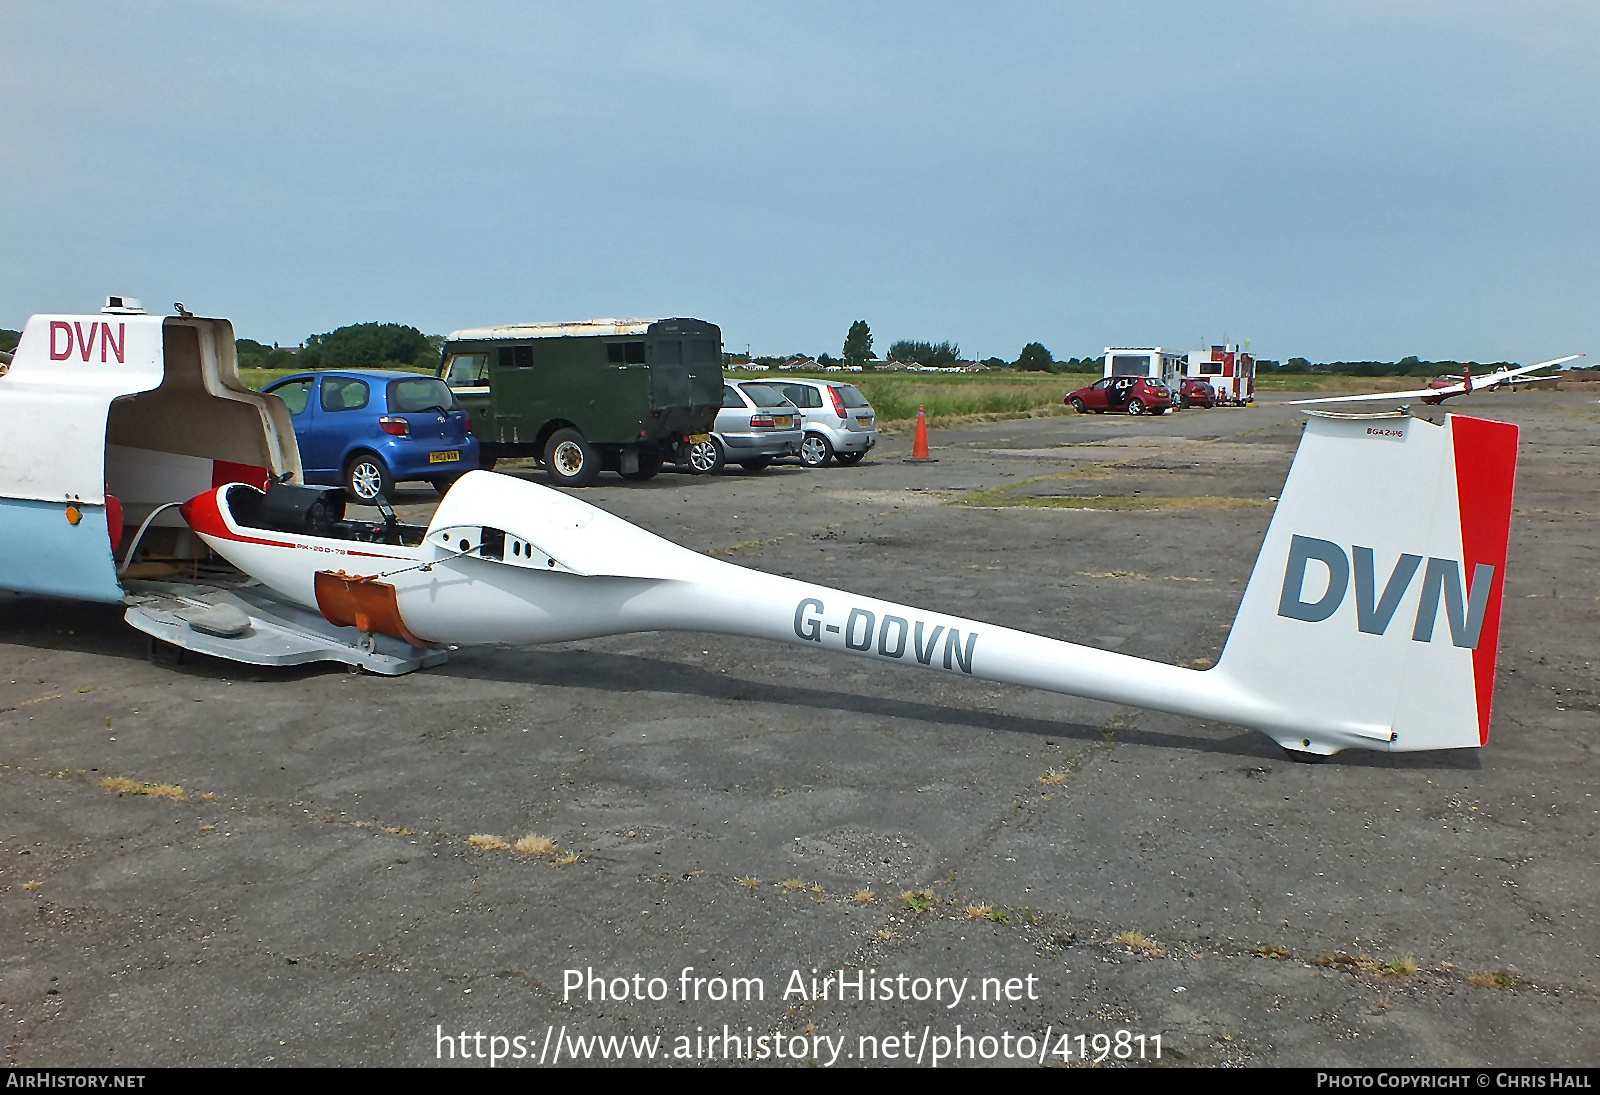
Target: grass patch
1361,963
154,790
534,844
749,882
1337,382
989,913
896,396
1140,943
1057,776
1339,960
1495,979
1404,966
864,897
1271,950
918,900
489,842
793,885
33,885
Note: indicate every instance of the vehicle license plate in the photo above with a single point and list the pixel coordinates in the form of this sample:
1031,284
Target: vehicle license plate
697,438
783,421
449,456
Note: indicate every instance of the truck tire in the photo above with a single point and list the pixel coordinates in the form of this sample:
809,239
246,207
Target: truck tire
571,461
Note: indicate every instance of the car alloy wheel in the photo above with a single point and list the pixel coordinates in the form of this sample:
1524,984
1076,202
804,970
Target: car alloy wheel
705,457
815,452
1078,405
366,477
1135,407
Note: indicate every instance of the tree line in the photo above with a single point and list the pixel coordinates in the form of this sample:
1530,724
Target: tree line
356,346
399,346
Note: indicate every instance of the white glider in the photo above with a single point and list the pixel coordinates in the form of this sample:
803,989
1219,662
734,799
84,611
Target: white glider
1386,524
1466,384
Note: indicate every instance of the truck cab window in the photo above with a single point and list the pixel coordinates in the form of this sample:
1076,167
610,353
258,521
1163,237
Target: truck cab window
625,353
468,371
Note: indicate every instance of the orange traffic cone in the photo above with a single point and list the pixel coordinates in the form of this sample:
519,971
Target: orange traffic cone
919,445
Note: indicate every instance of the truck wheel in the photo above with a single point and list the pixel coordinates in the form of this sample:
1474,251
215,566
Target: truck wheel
815,452
649,464
571,461
705,457
366,477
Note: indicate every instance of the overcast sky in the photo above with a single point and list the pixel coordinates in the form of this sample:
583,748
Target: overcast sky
1330,180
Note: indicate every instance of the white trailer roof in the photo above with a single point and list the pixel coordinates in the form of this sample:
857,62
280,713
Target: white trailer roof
574,329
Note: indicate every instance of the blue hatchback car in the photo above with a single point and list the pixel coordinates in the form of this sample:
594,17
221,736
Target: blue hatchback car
368,429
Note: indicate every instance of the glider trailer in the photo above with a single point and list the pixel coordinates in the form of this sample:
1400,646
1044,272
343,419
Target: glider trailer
1371,618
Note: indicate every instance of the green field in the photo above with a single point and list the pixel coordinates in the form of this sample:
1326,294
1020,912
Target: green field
947,396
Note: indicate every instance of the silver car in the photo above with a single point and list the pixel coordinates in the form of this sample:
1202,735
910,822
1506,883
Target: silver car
840,423
755,426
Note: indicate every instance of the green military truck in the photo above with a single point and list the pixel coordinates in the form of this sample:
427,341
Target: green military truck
624,395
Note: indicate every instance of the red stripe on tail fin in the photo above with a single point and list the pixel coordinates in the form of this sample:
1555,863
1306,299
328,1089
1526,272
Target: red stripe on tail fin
1486,470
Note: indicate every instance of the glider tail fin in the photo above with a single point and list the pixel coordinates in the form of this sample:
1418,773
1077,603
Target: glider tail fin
1373,612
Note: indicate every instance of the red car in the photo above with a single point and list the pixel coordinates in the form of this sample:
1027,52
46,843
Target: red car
1133,394
1196,393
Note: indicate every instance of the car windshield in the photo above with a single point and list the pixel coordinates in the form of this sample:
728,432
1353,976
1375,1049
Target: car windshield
765,395
420,394
851,397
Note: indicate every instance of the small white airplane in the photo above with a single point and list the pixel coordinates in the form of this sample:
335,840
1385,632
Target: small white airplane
1371,618
1444,388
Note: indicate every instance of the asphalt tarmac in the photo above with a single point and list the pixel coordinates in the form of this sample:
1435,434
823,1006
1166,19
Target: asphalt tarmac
213,865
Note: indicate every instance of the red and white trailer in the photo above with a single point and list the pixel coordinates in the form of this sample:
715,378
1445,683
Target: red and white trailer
1228,369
